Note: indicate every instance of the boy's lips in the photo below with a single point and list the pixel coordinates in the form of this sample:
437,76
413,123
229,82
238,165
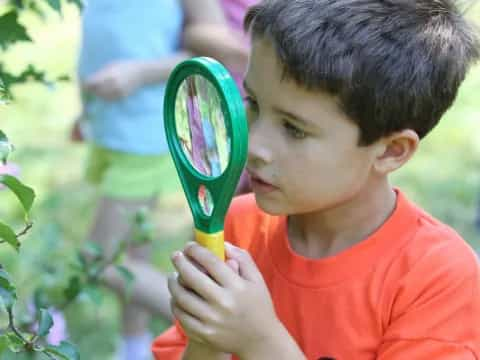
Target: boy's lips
259,183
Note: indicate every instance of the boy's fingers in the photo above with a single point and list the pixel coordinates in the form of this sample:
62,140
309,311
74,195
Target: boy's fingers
195,279
233,264
247,267
216,268
190,324
185,299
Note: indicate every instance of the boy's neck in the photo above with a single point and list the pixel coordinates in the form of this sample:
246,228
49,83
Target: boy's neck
326,233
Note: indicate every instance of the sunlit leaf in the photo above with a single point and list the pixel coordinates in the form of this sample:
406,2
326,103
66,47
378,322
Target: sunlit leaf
25,194
8,235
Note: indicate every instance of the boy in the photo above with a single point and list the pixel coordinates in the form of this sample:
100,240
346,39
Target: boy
338,264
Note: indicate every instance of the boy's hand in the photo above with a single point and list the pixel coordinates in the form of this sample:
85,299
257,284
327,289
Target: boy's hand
227,306
115,81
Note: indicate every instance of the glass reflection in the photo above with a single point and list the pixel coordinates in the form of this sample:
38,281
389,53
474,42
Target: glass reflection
205,199
201,126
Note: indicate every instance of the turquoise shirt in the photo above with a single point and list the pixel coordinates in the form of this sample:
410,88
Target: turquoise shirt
115,30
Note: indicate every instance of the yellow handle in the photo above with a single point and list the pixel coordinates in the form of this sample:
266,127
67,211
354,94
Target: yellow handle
213,242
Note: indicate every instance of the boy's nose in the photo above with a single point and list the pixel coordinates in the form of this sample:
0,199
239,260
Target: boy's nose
259,144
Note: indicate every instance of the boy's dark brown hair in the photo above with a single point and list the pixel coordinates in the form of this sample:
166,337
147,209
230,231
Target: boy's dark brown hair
393,64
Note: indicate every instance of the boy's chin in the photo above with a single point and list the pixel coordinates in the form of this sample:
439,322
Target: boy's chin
270,206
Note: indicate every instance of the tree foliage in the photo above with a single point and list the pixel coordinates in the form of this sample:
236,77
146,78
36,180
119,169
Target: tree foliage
90,262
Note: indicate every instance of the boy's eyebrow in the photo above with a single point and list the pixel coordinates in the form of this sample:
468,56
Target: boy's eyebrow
295,117
289,114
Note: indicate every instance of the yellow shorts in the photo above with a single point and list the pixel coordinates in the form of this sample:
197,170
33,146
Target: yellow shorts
128,176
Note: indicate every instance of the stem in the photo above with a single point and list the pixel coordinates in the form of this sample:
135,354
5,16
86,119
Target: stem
28,226
12,327
50,356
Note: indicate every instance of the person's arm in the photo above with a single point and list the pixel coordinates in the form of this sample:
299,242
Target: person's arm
157,71
436,310
207,33
120,79
154,298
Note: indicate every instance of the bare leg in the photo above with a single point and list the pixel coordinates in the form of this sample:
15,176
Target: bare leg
113,224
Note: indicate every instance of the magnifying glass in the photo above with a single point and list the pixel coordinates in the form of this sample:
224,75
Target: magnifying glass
206,130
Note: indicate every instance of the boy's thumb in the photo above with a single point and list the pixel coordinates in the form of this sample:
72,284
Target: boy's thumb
233,264
246,266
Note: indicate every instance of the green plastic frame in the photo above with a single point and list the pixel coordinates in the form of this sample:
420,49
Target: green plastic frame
222,188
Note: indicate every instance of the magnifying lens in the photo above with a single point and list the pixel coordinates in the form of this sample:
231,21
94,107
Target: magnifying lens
206,130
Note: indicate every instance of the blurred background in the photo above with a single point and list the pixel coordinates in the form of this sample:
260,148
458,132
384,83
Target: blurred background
444,177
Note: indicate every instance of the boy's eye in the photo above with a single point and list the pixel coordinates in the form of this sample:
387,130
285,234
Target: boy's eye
251,107
294,131
250,103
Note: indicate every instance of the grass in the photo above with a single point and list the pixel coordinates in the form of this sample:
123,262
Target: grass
444,178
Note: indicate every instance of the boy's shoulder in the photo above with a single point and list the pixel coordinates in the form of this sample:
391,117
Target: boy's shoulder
432,253
433,236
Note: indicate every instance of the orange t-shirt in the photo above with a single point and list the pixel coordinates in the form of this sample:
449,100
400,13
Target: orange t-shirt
409,291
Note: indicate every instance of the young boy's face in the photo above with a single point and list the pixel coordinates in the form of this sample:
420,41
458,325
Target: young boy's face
303,151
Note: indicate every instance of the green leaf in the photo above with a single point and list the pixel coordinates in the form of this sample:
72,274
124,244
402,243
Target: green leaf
3,344
6,147
7,290
94,293
5,280
3,137
25,194
4,96
12,30
66,351
15,344
8,235
73,289
94,250
78,3
45,323
128,277
55,5
40,298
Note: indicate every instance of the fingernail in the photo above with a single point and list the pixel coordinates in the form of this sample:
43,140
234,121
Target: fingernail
190,244
176,255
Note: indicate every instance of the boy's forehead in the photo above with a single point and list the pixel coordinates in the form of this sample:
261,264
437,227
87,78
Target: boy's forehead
265,79
265,70
263,59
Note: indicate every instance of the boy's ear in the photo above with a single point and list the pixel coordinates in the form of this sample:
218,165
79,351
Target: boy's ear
395,150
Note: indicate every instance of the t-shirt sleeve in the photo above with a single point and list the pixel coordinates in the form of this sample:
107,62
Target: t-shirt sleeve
436,310
170,345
